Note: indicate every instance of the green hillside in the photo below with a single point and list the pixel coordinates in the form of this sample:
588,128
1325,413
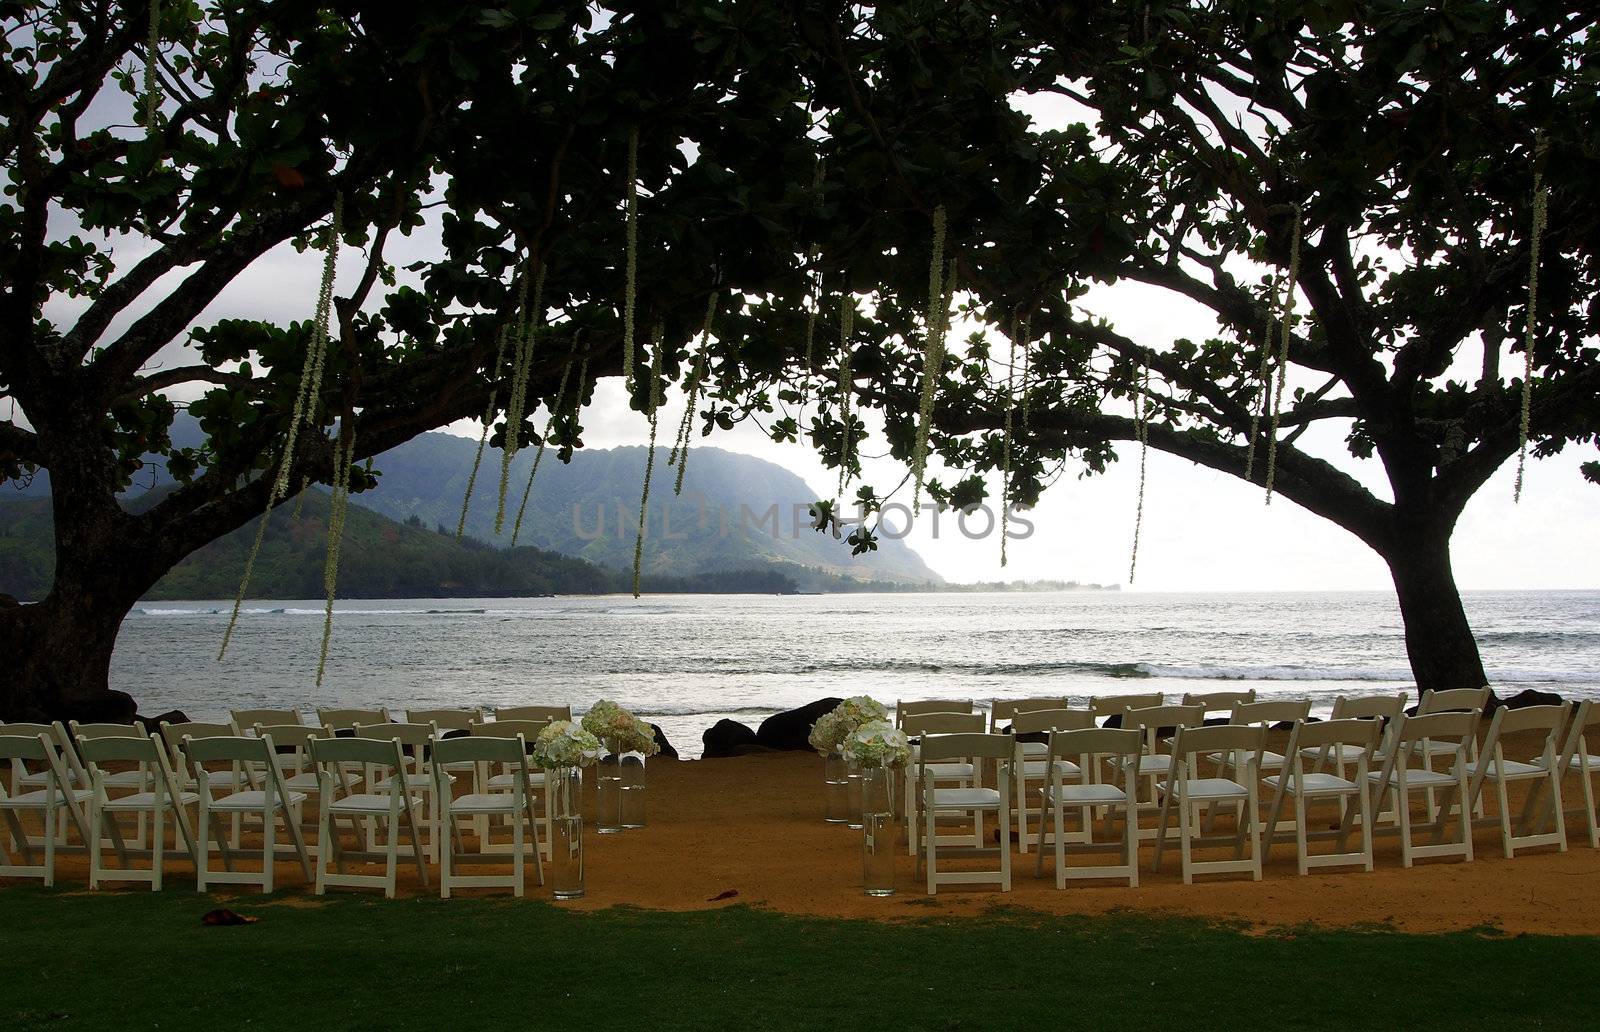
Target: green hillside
736,512
381,559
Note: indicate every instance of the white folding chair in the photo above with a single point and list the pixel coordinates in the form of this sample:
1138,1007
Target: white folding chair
292,753
133,780
1416,737
25,778
396,806
233,777
1181,790
489,780
1031,766
1450,700
1386,709
1541,768
545,713
515,806
1354,739
51,801
1069,754
1575,758
957,773
416,744
162,797
976,801
1154,723
1265,715
265,803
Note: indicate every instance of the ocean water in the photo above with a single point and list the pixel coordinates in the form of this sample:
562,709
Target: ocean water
684,661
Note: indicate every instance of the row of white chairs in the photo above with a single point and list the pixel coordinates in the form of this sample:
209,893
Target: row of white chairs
89,777
1370,754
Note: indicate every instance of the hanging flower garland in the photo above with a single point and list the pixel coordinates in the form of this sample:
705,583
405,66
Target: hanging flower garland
1264,374
152,87
483,436
555,409
344,451
847,326
1027,361
1141,430
516,406
680,450
1005,447
305,404
650,454
815,295
1541,202
932,355
630,290
1283,354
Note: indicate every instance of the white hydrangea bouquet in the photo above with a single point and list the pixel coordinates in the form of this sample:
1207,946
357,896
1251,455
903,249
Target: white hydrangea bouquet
564,744
878,743
610,722
831,730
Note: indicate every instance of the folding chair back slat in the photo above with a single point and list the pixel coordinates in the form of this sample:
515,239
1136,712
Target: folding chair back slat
1191,739
528,729
346,719
1004,710
481,749
1061,719
106,730
1452,700
1357,731
1386,706
1219,702
245,719
942,723
904,709
937,747
545,713
1272,711
1105,706
445,719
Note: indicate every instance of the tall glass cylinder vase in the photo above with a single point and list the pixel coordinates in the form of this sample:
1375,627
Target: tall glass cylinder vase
633,797
835,788
566,837
608,789
853,794
880,831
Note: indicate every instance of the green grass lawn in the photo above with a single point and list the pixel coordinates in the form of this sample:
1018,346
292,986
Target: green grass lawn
142,960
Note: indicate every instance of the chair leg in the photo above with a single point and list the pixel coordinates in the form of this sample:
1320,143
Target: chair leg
96,856
517,872
1185,847
269,849
1402,807
1301,846
159,845
1505,816
202,860
446,857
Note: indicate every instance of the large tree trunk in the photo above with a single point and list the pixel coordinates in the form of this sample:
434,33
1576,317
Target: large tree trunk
58,658
1443,651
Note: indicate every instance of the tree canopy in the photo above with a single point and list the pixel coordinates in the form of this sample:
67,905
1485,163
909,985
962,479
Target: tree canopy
800,169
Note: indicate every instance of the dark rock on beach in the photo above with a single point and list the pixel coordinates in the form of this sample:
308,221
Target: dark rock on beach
662,744
724,737
153,724
791,729
1533,697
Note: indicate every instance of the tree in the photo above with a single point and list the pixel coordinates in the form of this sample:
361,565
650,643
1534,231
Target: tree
1399,145
507,128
